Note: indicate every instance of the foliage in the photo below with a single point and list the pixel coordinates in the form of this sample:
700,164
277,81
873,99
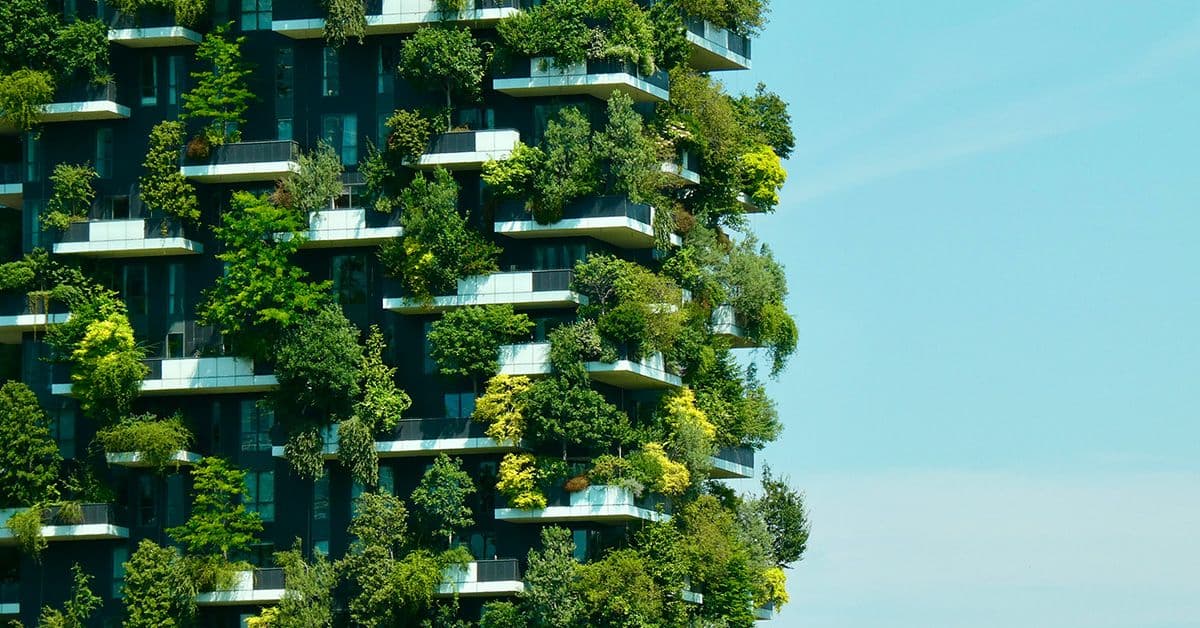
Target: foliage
502,408
72,196
409,132
26,528
23,94
163,188
660,545
571,415
80,51
221,95
158,589
444,58
317,364
78,608
571,346
381,180
782,508
440,499
745,17
573,31
514,176
627,155
155,440
652,466
308,600
608,469
633,306
304,450
438,247
519,481
672,47
766,115
27,33
756,287
717,560
262,293
550,580
187,12
466,341
618,590
773,589
734,400
382,402
569,169
356,451
318,182
30,460
690,435
107,369
345,20
450,7
219,524
763,176
380,521
502,615
264,619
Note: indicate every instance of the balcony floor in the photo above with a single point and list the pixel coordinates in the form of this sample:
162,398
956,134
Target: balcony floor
155,37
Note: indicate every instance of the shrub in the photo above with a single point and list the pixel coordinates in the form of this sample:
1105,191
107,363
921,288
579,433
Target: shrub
519,482
187,12
575,30
569,414
382,402
219,524
440,498
502,615
23,94
30,460
319,181
745,17
356,451
158,589
502,408
78,609
652,466
317,365
576,484
163,188
772,589
221,95
609,469
409,132
763,176
80,51
156,441
107,369
446,59
26,528
466,341
514,176
345,20
72,196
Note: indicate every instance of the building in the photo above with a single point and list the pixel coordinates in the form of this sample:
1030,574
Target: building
307,90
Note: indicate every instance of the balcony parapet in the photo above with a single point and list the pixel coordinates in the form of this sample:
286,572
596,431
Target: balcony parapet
84,101
198,376
716,48
601,504
389,17
483,578
12,186
422,437
537,76
149,28
468,150
259,587
531,289
612,219
241,162
136,237
96,522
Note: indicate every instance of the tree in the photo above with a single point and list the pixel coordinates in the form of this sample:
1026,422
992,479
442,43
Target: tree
317,364
382,403
502,615
782,508
690,435
619,591
308,600
163,188
221,95
78,608
502,408
438,247
766,114
550,579
345,20
569,169
219,524
762,176
441,498
158,590
261,293
107,370
29,461
80,51
466,341
568,414
626,153
717,561
155,440
72,197
445,58
23,94
319,181
573,31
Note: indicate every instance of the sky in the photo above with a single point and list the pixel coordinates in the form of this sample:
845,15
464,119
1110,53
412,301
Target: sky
991,230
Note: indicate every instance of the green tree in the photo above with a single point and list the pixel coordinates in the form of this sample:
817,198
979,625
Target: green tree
317,364
569,169
163,188
345,20
572,31
762,176
766,114
78,609
319,181
262,293
718,561
502,408
782,509
466,341
27,32
438,247
618,590
30,460
219,524
443,58
503,615
221,95
23,95
440,499
107,370
155,440
80,51
382,403
72,196
626,153
550,582
570,415
308,601
158,590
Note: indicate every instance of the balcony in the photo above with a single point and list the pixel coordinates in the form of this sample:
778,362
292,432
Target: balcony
747,205
612,219
12,189
731,325
422,437
483,578
77,103
538,77
258,588
19,313
388,17
150,28
733,463
764,613
600,504
136,460
139,237
350,227
533,359
10,597
468,150
244,161
198,376
98,522
531,289
681,172
716,48
690,596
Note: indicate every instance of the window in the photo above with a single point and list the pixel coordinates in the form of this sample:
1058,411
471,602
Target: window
173,345
330,72
349,279
382,130
176,514
32,171
260,494
477,117
104,153
149,81
283,129
147,509
341,132
176,72
256,15
430,365
257,421
175,289
133,288
320,514
116,207
120,556
63,428
385,70
459,405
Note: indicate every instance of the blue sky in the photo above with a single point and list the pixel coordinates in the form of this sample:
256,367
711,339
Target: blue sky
991,229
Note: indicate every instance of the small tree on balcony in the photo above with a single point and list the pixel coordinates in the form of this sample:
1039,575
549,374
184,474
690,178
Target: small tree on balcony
23,94
344,20
220,525
158,590
163,188
318,183
441,499
72,195
446,59
30,460
466,341
221,95
78,608
187,12
107,370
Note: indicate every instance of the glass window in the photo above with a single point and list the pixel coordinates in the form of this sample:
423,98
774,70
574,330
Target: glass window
285,71
459,405
104,152
173,347
256,15
350,279
64,429
149,81
147,509
32,171
387,480
430,366
341,132
257,421
133,288
176,73
175,292
283,129
320,514
260,494
120,556
175,503
330,72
